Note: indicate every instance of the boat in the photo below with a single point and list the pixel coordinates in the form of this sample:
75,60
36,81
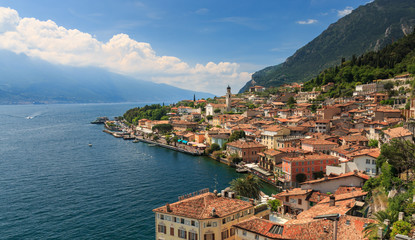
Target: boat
136,141
29,117
100,120
151,145
241,170
90,144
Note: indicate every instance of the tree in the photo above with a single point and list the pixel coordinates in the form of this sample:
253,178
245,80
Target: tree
217,110
162,128
248,186
400,227
301,177
371,229
400,154
388,86
274,204
373,143
214,147
236,135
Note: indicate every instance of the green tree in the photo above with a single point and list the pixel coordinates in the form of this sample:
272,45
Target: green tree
214,147
248,186
274,204
388,85
217,110
400,227
236,135
373,143
371,229
301,177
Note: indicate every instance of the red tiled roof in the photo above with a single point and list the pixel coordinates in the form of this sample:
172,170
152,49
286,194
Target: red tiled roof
314,156
200,207
346,189
397,132
340,207
292,192
314,141
261,227
345,175
245,144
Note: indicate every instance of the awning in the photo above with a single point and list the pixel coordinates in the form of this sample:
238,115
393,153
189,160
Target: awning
184,141
263,172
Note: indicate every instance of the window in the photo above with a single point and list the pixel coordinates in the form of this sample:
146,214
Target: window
181,233
296,170
192,236
287,199
161,216
209,236
224,221
256,237
373,162
244,233
299,202
161,229
374,170
231,232
193,223
182,220
172,231
368,170
347,222
174,219
224,234
321,168
367,161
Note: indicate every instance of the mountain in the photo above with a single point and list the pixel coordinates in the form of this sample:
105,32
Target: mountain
367,28
395,59
27,80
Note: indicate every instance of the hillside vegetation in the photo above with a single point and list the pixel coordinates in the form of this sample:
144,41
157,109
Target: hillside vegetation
368,28
394,59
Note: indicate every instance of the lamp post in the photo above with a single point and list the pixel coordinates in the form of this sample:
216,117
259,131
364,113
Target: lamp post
332,217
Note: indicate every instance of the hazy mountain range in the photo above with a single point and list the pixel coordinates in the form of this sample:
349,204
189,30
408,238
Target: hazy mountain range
367,28
27,80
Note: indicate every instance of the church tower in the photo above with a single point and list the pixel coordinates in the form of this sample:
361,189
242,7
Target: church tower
228,99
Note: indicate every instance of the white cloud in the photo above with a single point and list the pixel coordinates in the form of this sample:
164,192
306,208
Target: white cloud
121,54
202,11
344,12
309,21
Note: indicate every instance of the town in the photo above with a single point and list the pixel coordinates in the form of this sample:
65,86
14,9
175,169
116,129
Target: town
318,152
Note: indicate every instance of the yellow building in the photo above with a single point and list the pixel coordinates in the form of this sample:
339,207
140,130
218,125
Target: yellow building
205,216
271,134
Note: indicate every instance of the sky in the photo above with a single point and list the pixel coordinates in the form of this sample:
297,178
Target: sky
201,45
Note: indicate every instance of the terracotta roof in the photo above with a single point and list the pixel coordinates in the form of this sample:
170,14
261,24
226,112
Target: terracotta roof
397,132
245,144
314,156
354,138
200,207
317,196
340,207
373,152
273,128
345,175
314,141
266,228
346,189
272,152
345,196
348,228
292,192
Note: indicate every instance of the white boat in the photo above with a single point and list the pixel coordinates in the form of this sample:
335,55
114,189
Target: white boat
90,144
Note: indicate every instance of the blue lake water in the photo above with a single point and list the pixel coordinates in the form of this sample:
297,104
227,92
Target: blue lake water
54,186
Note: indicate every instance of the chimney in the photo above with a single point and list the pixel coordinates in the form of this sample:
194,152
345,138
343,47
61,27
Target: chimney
332,201
213,212
400,217
168,207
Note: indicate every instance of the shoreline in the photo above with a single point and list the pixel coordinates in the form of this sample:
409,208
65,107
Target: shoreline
128,136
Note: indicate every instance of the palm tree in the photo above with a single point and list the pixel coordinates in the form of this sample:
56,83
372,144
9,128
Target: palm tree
371,229
249,186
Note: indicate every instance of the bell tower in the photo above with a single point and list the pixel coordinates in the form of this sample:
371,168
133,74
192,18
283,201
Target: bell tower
228,98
